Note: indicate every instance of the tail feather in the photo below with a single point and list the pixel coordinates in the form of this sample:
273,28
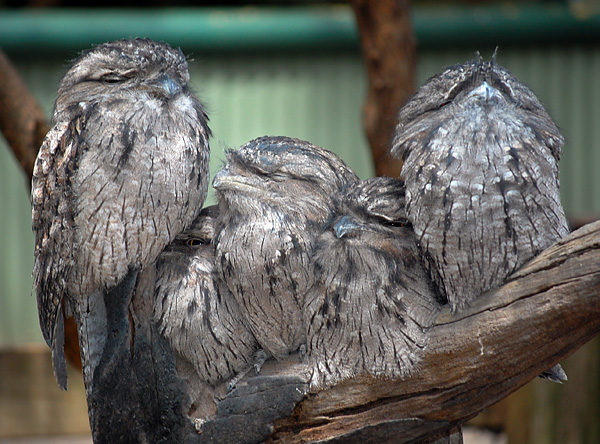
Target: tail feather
59,363
555,374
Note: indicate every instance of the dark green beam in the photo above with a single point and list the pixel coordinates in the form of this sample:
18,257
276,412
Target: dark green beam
264,29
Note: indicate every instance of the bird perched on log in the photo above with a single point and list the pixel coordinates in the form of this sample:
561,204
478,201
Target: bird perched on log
122,172
275,195
199,316
481,168
373,302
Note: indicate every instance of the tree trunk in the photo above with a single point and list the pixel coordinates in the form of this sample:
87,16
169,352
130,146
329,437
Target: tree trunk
388,46
544,313
22,120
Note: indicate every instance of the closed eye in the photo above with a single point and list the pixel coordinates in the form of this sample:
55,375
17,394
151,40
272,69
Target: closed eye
111,80
112,77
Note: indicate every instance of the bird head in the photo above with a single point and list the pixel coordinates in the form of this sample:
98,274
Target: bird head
282,172
115,69
485,91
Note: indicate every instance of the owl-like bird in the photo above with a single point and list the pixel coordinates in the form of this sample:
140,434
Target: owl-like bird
122,172
373,302
482,187
481,168
275,195
198,314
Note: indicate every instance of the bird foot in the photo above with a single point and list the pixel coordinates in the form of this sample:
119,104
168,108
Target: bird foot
198,423
259,359
302,352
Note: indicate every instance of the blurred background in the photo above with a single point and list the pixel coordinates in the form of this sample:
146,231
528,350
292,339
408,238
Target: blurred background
295,68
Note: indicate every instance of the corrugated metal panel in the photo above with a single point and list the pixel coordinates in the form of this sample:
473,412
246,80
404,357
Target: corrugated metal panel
18,312
18,317
317,97
313,97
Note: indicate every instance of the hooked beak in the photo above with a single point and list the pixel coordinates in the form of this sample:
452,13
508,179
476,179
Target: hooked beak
168,85
346,225
486,92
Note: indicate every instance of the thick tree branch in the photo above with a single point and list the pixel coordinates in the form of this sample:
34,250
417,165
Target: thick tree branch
388,46
545,312
23,124
22,120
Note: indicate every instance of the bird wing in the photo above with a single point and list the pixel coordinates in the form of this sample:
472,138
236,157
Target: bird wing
52,221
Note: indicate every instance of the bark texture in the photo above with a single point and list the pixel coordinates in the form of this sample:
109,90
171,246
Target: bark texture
544,313
388,46
22,121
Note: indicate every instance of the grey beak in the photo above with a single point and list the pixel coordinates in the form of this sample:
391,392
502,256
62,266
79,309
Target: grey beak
346,225
169,85
486,92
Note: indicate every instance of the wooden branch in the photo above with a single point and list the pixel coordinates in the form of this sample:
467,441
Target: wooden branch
545,312
22,120
388,45
24,126
134,395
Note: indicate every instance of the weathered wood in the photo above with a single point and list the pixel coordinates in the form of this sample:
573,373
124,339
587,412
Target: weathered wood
22,120
135,394
545,312
247,414
388,46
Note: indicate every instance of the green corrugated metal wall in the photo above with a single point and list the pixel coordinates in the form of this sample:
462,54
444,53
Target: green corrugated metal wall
18,312
318,97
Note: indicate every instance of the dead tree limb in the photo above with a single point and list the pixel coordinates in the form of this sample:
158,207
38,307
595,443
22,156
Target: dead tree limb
388,46
22,120
544,313
24,125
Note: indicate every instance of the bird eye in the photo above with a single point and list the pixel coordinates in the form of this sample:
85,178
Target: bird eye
394,223
444,103
278,177
196,242
112,78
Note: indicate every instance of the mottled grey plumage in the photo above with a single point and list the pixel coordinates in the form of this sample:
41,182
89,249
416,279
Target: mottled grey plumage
481,168
275,195
373,302
196,312
123,170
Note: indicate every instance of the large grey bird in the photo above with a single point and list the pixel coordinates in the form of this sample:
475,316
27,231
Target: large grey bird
481,168
373,302
275,195
122,172
199,316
